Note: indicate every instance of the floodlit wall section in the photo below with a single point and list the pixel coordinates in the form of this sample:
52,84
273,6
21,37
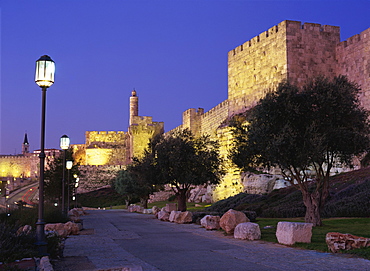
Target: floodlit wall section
353,57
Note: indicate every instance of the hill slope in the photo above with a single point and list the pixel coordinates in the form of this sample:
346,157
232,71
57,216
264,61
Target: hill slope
349,196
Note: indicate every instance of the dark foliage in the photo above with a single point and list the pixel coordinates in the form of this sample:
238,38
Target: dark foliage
104,197
15,247
349,197
304,131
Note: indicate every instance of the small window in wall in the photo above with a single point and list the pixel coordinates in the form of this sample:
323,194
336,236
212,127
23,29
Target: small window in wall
277,29
241,47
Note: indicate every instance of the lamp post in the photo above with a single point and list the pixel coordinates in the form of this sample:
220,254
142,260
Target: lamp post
76,186
44,78
64,145
69,166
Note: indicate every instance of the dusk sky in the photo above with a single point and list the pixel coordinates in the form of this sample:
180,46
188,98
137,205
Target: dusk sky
174,53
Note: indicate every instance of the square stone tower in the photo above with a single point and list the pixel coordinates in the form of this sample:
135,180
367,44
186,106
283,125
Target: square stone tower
287,51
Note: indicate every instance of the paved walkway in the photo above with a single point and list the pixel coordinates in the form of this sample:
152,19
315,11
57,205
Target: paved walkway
116,238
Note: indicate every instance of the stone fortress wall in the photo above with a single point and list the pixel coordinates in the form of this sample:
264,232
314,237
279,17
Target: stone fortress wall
106,152
288,51
18,166
353,60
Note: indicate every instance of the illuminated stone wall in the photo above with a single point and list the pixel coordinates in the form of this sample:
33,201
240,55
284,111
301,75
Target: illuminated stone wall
102,148
288,51
141,131
18,166
255,67
231,184
353,56
96,177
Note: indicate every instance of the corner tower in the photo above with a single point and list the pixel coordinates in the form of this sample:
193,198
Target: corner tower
134,106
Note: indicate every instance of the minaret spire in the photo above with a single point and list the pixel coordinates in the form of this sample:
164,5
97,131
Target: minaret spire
134,106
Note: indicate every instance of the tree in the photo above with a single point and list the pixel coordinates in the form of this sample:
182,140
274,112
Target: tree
138,180
125,185
182,160
54,175
301,131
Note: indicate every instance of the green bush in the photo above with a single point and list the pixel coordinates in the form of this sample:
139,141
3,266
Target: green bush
105,197
15,247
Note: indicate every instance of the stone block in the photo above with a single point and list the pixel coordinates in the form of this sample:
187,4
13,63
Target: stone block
171,207
173,215
232,218
155,210
247,231
183,217
338,241
210,222
289,233
163,215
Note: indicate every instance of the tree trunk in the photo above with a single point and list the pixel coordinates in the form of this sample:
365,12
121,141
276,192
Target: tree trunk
144,203
312,201
127,203
181,200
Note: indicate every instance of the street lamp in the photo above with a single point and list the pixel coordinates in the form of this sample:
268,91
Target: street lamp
44,78
64,145
76,186
68,166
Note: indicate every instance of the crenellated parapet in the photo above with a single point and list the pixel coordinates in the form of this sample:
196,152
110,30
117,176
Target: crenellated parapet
288,51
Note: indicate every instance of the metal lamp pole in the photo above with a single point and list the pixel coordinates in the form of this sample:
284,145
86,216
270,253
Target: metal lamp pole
64,145
44,78
69,165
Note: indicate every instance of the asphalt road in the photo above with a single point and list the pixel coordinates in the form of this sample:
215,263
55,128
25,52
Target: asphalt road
116,238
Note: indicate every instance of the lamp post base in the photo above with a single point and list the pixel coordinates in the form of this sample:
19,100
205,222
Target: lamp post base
41,240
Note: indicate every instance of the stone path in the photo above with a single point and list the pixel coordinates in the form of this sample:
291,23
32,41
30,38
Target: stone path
117,239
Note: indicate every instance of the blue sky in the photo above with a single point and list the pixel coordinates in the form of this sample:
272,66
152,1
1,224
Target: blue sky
173,52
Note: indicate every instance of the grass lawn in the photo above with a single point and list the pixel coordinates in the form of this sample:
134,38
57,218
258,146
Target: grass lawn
355,226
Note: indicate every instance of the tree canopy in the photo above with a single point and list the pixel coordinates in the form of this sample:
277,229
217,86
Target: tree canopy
139,180
302,130
54,177
183,160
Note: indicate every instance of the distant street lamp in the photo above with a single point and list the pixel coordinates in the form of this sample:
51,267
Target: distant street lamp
76,186
44,78
64,145
69,165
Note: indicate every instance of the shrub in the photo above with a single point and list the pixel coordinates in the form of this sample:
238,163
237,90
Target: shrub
15,247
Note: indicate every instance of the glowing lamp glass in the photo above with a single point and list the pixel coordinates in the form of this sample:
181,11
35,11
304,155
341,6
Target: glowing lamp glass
64,142
45,70
69,164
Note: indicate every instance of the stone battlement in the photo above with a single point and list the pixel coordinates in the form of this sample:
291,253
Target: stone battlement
285,27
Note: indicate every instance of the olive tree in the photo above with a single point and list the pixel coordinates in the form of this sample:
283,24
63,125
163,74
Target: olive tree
301,130
183,160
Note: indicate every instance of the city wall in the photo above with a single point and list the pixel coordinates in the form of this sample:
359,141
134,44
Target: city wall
353,60
141,131
18,166
255,67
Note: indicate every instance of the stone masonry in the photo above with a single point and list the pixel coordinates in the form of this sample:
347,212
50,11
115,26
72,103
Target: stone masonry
290,50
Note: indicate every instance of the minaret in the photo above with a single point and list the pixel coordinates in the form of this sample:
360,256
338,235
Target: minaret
25,145
134,106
